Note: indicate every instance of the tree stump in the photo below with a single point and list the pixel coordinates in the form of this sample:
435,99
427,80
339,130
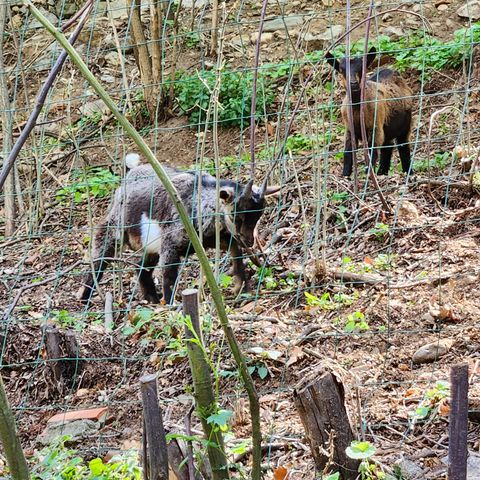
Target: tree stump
321,406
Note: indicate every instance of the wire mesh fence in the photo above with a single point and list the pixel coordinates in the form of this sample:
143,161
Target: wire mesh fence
338,278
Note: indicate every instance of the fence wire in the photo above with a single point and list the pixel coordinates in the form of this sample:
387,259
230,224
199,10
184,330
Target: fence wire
336,281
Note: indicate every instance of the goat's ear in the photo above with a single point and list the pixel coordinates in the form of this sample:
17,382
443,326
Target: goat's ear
227,194
332,61
272,190
371,55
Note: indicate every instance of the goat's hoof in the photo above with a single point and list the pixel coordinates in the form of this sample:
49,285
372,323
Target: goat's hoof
152,297
84,293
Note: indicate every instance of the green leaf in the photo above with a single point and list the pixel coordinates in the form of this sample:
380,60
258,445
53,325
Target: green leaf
332,476
96,466
221,418
360,450
262,372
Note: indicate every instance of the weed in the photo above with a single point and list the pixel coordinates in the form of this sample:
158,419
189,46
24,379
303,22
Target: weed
364,451
193,96
266,276
63,319
58,462
380,231
431,401
385,262
356,323
327,302
440,161
95,182
226,165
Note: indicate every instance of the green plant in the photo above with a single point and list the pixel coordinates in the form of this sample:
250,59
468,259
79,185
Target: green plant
57,462
356,323
385,262
268,278
364,451
226,165
95,182
193,96
431,401
64,319
380,231
439,161
329,302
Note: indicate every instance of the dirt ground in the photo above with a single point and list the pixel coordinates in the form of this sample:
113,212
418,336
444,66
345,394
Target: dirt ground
418,280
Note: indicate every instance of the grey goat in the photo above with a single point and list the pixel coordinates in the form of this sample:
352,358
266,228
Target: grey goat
143,216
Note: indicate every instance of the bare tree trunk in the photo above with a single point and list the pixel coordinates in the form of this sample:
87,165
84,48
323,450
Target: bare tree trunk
6,117
321,406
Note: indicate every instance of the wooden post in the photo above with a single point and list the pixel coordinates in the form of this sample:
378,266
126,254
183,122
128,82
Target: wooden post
458,427
321,406
154,432
204,395
54,352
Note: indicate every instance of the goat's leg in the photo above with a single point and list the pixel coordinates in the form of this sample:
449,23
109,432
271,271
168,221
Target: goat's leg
146,277
404,152
385,159
170,262
348,156
103,246
238,269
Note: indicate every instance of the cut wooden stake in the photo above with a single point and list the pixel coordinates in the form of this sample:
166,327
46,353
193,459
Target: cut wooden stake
321,406
54,351
202,380
156,443
108,320
458,427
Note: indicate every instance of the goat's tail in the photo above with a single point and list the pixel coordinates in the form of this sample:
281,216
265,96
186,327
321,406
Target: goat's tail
132,160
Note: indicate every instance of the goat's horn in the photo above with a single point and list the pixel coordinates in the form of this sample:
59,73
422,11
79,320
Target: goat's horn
247,191
263,187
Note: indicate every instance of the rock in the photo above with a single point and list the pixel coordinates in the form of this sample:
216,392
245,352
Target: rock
34,23
267,37
473,466
198,3
410,470
432,351
471,10
95,106
442,7
282,23
76,430
331,33
393,32
66,9
408,211
112,59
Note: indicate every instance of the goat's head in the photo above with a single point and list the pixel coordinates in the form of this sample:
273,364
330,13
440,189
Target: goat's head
243,207
356,67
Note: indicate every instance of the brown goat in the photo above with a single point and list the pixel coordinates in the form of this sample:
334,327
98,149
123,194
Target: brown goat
387,112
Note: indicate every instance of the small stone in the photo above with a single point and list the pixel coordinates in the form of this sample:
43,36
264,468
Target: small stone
470,10
442,7
410,470
394,32
112,59
387,17
34,23
267,37
408,211
77,430
283,23
93,107
331,33
473,466
432,351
